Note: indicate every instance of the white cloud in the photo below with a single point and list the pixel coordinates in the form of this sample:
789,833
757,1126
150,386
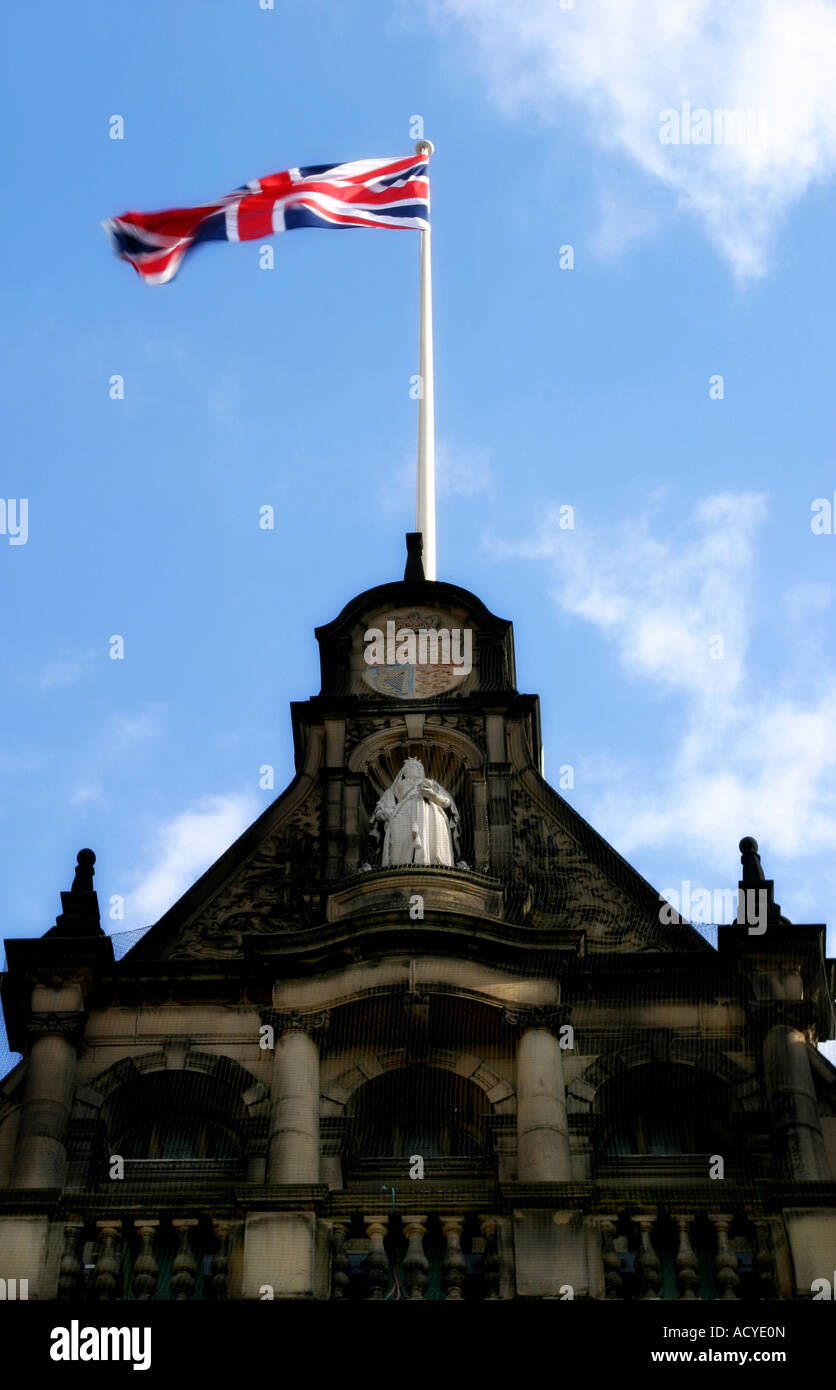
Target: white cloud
184,847
461,471
617,64
621,223
87,793
748,755
67,668
807,598
126,730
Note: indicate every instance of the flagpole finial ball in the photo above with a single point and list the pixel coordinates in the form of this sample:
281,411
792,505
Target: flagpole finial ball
424,147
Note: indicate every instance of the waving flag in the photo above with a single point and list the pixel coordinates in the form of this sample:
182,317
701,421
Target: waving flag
367,193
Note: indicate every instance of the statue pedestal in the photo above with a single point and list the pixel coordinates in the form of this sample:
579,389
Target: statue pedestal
443,890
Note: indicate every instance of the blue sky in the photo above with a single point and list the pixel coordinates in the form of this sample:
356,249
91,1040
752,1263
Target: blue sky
587,387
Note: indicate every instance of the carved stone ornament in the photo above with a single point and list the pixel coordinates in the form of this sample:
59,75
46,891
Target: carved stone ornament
275,890
535,1016
292,1021
559,881
69,1025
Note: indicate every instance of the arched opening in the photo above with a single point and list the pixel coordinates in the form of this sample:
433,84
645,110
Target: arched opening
662,1110
174,1116
418,1110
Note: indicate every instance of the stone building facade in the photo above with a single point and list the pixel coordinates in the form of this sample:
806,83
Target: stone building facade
319,1076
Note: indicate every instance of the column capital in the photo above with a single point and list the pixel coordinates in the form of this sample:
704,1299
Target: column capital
294,1021
798,1014
525,1016
69,1024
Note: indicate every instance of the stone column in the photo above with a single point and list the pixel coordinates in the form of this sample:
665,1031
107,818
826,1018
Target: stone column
481,827
56,1026
542,1127
792,1102
293,1153
499,817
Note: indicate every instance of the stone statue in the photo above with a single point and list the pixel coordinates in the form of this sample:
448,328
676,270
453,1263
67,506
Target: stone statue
420,821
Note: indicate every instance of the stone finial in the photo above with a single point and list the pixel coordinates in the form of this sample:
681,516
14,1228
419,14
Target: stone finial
751,861
752,873
414,555
84,871
79,914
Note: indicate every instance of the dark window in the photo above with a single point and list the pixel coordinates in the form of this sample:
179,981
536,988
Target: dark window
663,1110
184,1137
419,1110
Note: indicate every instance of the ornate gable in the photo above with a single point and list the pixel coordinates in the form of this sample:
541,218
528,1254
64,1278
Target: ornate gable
424,671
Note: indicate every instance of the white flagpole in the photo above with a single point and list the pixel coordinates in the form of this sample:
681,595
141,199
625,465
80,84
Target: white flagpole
425,481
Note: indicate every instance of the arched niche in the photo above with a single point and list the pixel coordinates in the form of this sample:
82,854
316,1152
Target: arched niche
448,757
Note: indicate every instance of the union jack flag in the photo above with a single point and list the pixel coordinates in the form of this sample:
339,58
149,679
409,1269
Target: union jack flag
366,193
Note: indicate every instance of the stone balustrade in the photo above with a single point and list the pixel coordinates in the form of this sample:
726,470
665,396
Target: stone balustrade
144,1257
673,1249
671,1252
388,1256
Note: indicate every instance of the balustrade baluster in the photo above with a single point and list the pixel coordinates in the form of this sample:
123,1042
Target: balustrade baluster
610,1259
71,1271
378,1274
340,1263
726,1276
686,1262
763,1261
219,1268
648,1266
145,1265
415,1262
489,1226
105,1280
454,1264
184,1268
